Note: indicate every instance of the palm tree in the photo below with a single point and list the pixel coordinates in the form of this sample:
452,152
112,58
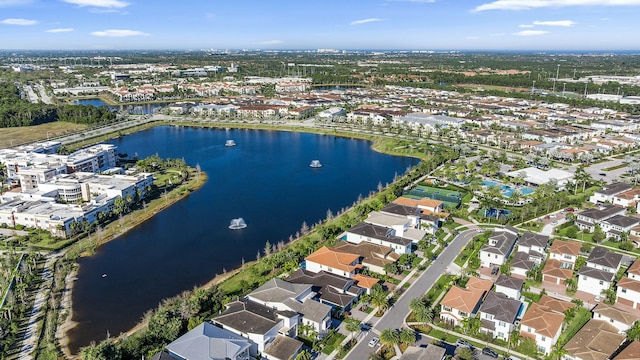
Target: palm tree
352,325
407,336
304,355
390,337
558,351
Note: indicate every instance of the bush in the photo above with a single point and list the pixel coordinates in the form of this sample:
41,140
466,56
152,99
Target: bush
627,246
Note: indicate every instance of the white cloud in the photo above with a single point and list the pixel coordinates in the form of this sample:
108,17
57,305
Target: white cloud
22,22
62,30
536,4
99,3
118,33
6,3
364,21
271,42
525,26
563,23
530,33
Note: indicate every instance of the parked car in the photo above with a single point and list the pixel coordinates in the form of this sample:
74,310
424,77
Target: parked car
597,298
569,209
603,174
489,352
365,327
374,342
495,271
463,343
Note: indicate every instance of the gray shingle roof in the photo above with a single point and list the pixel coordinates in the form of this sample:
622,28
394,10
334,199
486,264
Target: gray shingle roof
207,341
501,307
250,317
278,290
509,282
532,239
504,242
603,257
596,274
378,232
283,348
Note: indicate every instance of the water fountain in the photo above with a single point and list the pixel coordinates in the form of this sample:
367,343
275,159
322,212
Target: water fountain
315,164
230,143
237,224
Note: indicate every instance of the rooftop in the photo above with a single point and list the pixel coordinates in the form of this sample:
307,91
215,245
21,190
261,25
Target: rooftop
596,340
542,320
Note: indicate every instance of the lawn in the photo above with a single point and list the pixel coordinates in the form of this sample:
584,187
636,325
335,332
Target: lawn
582,316
331,342
26,134
615,167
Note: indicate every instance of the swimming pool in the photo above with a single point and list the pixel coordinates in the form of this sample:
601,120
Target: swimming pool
507,190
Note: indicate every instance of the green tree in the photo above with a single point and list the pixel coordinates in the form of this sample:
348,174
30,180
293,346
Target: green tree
598,234
391,268
465,354
390,337
352,325
633,333
407,336
471,325
304,355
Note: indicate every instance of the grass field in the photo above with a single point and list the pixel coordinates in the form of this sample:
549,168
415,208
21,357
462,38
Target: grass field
25,134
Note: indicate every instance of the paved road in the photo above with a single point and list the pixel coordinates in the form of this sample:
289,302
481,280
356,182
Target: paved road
610,176
394,317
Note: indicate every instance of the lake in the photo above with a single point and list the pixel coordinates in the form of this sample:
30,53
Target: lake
265,179
142,109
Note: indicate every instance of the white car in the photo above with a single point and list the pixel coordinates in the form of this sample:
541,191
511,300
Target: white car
374,342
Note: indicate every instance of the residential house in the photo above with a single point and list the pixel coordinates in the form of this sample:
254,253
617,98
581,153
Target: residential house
557,305
336,262
627,198
628,288
588,219
606,194
556,271
282,295
521,264
460,303
631,352
337,291
410,212
615,226
498,314
599,272
373,256
535,245
509,286
500,246
400,224
565,251
596,340
432,352
282,348
378,235
434,206
210,342
260,324
543,325
621,319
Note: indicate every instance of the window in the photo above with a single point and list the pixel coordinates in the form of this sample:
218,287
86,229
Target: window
600,282
446,308
584,277
624,290
529,329
501,324
566,256
543,338
489,316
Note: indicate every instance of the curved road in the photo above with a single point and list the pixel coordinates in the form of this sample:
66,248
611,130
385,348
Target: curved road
394,317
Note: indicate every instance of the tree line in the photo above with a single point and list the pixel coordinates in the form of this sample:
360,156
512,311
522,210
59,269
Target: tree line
15,111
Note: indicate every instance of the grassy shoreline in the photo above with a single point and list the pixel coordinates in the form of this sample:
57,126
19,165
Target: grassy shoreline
229,280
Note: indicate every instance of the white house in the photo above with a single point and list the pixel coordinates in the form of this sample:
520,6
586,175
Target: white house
622,320
509,286
628,288
543,325
599,272
498,314
379,235
500,246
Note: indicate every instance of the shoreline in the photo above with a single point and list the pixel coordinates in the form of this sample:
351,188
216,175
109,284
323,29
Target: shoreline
66,303
216,280
66,306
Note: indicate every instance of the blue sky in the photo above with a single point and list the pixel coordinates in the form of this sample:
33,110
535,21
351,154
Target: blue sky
311,24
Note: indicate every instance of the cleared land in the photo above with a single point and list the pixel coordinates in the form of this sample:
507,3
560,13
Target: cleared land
26,134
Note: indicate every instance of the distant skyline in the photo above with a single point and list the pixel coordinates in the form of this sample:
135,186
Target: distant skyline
517,25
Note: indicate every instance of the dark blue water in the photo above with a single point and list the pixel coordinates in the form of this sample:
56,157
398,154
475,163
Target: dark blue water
265,179
142,109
